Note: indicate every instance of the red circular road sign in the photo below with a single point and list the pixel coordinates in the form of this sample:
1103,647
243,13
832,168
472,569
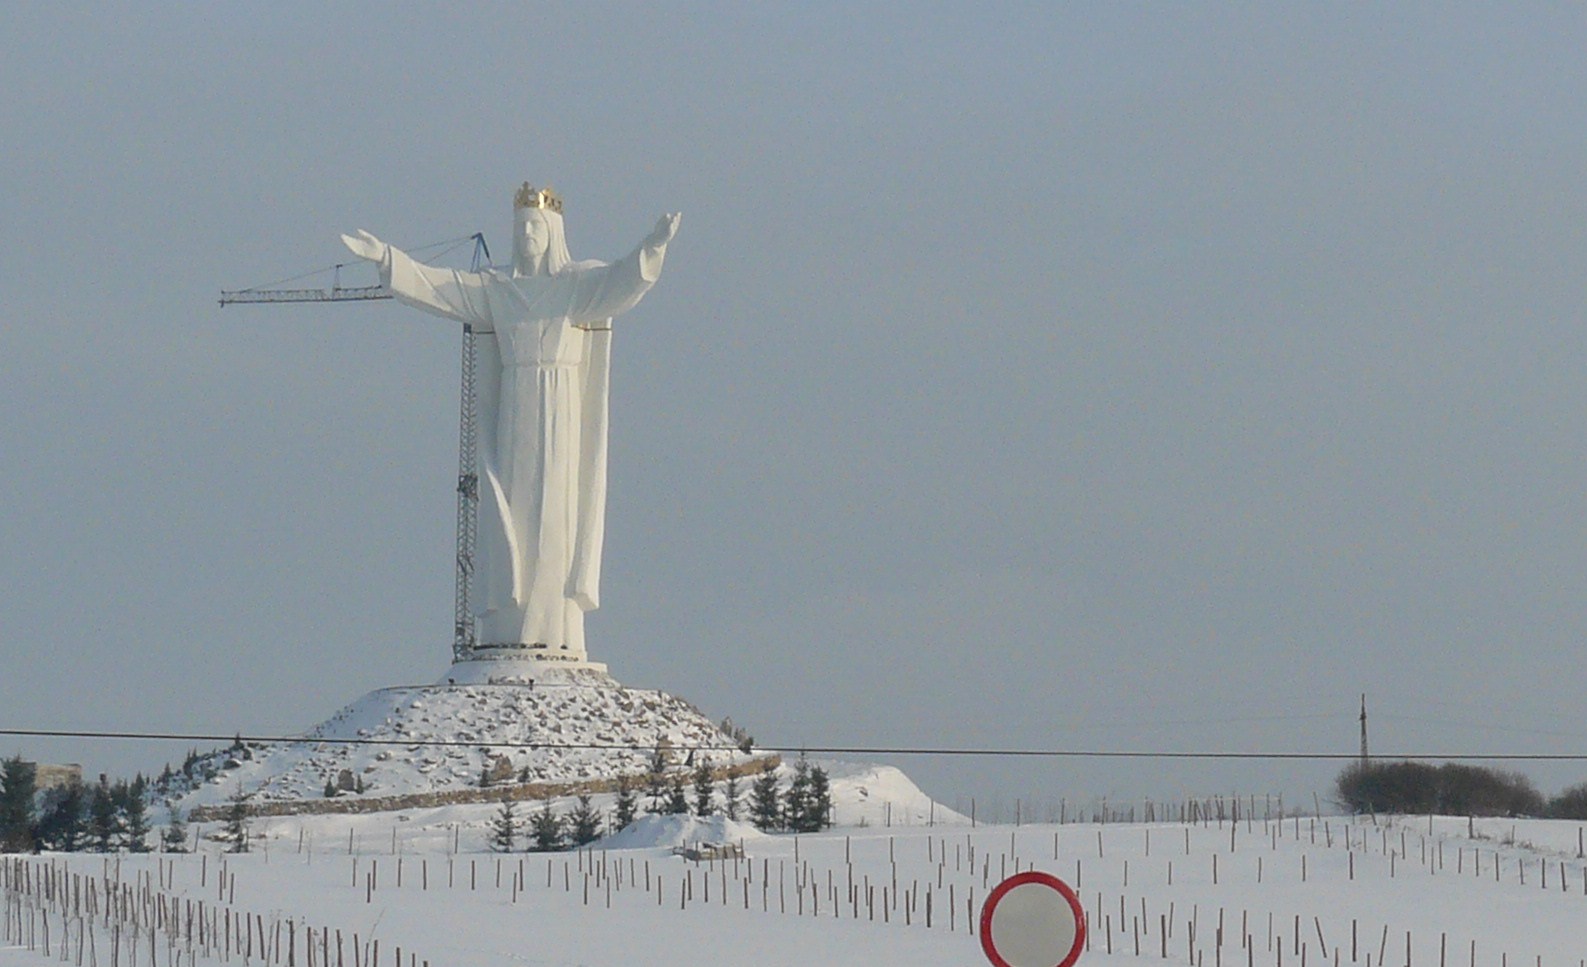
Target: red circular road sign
1033,919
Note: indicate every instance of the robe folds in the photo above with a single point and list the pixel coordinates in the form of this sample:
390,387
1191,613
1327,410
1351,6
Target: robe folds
542,376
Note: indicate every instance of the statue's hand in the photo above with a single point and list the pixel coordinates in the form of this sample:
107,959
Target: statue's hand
665,229
365,246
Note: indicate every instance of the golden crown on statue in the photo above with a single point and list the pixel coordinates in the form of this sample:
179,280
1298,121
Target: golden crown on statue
529,197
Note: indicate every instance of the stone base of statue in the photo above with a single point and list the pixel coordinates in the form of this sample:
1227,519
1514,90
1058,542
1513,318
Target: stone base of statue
518,666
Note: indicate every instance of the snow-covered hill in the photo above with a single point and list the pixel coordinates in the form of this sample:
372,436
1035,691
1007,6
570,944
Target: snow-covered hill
567,726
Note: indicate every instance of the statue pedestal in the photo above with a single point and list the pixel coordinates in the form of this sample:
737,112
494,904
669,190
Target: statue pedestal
519,668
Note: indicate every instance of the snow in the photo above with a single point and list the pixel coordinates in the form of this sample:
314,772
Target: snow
872,795
1340,885
584,726
652,832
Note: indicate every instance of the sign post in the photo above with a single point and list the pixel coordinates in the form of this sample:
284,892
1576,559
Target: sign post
1033,919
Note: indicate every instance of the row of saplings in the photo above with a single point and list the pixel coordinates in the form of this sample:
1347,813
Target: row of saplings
106,817
804,807
1452,789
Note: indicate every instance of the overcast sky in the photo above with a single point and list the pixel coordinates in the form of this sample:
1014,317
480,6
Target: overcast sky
1114,377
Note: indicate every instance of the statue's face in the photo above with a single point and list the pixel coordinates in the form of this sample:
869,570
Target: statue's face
534,235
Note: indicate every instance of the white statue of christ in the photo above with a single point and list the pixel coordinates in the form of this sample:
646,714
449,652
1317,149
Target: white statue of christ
541,393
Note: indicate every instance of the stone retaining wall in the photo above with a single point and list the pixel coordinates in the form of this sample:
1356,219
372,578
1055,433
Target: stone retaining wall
518,792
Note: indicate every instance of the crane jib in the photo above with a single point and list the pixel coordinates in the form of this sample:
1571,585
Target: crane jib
354,294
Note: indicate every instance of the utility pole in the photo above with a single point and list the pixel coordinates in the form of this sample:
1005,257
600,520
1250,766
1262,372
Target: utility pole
1364,755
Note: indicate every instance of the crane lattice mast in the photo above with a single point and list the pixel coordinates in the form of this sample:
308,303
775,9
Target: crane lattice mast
467,503
463,634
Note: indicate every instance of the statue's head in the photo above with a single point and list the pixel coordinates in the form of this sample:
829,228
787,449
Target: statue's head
539,245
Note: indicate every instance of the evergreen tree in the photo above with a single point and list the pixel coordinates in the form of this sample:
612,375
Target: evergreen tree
103,823
18,786
626,803
174,839
504,828
61,822
677,798
584,823
765,807
796,804
656,783
546,828
703,791
133,807
235,831
820,811
741,738
330,789
730,797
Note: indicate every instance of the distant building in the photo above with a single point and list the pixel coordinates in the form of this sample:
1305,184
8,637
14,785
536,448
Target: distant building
55,777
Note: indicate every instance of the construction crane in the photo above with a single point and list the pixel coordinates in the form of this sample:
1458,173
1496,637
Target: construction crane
463,632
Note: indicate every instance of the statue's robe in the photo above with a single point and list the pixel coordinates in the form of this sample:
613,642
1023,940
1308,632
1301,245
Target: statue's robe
542,396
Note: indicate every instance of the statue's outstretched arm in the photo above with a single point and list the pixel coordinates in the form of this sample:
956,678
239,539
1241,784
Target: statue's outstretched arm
616,288
444,292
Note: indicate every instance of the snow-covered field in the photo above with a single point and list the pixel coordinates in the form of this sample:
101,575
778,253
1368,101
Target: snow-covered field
1307,890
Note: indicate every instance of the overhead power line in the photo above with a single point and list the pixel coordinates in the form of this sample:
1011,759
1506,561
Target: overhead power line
819,749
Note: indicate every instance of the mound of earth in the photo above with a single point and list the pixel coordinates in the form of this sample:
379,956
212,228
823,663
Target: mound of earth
566,727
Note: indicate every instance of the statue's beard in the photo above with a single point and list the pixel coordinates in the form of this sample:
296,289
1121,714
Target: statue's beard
525,264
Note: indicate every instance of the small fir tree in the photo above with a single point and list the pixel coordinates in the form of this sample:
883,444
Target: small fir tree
584,823
656,783
174,839
104,825
730,797
235,832
765,806
61,821
546,828
820,811
18,786
796,804
626,804
677,797
133,806
504,828
330,789
741,738
703,789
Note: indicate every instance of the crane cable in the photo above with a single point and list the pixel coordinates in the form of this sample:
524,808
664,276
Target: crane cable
450,245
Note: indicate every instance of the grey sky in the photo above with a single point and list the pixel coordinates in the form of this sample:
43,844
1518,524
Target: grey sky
1145,377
